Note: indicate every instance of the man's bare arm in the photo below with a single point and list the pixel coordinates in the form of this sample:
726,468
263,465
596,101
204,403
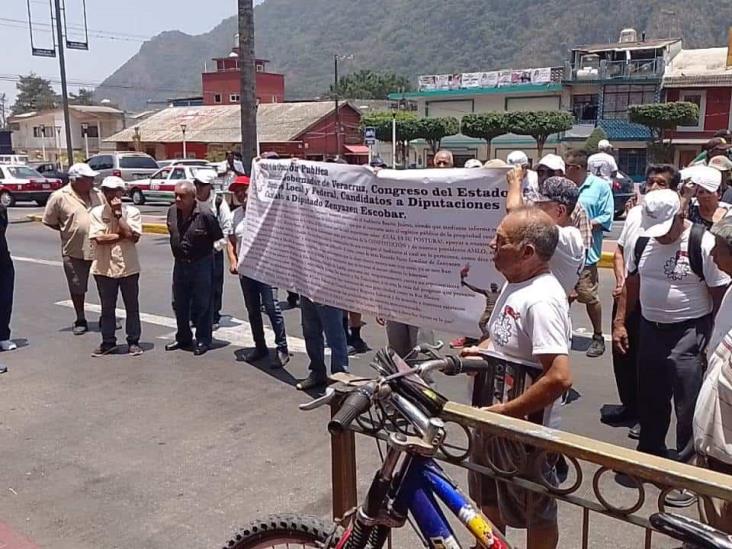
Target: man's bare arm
514,200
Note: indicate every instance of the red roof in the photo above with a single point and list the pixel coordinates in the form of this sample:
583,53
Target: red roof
359,150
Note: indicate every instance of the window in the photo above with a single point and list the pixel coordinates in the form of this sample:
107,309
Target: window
698,97
39,131
584,107
632,162
217,98
138,162
22,172
102,162
162,174
260,67
178,173
616,99
234,98
91,131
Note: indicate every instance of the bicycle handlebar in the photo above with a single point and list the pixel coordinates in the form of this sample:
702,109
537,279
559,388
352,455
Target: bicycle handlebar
690,531
355,404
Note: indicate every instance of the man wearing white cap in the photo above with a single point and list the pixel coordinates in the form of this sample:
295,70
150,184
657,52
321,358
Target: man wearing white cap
529,181
602,164
215,203
672,276
724,166
67,212
701,184
115,230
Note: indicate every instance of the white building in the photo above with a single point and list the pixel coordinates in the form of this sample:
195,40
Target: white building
42,135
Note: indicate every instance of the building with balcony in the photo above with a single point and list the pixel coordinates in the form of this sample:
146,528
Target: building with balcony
701,76
602,80
42,135
222,85
494,91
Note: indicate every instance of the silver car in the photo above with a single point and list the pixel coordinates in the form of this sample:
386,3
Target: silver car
130,166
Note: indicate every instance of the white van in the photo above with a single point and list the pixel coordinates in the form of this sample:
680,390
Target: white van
17,159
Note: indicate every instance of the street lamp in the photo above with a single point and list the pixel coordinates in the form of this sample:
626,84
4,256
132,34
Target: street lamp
85,133
403,105
42,127
183,129
337,58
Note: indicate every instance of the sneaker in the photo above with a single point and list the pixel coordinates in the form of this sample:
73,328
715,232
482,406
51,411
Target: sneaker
358,346
214,326
134,349
8,345
3,368
680,498
634,433
458,343
80,327
105,349
311,382
283,357
597,347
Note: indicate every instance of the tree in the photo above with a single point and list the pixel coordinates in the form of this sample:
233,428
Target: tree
664,116
433,130
83,97
406,128
539,124
597,135
369,85
34,94
487,125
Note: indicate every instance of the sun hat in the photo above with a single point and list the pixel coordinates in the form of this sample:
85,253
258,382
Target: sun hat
518,158
113,182
658,213
80,169
705,177
553,161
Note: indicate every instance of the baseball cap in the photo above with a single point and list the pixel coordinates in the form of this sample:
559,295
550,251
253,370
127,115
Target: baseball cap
496,163
553,162
659,209
558,189
240,181
518,158
704,176
604,144
473,163
723,229
113,182
80,169
270,155
205,177
378,162
721,163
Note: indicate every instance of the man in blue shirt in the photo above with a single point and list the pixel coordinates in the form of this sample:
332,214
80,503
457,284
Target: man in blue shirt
596,198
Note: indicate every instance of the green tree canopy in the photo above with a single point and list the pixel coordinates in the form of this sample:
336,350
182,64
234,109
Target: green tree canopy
539,124
487,125
34,94
83,97
664,116
597,135
369,85
406,129
433,130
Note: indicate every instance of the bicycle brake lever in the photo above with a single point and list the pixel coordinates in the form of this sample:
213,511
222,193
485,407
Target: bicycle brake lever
318,402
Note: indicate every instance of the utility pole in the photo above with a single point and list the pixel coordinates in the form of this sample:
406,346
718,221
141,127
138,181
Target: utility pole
247,95
3,101
337,111
64,89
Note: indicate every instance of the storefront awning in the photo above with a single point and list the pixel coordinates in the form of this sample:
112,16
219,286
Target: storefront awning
358,150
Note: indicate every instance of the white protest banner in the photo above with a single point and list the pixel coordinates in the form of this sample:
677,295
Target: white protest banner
403,245
471,79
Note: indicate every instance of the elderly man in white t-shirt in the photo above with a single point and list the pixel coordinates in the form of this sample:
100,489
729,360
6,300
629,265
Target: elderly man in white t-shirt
602,164
530,324
529,178
679,288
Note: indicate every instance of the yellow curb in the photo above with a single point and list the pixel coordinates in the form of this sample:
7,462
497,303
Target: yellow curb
155,228
37,218
606,260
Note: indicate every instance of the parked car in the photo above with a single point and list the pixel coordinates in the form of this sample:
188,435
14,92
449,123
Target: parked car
130,166
623,189
20,183
50,171
161,185
183,162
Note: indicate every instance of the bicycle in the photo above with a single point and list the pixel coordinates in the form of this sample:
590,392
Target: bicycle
409,481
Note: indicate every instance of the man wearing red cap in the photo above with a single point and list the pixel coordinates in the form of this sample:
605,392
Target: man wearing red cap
256,293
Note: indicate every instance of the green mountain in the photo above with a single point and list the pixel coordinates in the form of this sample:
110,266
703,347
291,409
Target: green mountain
409,37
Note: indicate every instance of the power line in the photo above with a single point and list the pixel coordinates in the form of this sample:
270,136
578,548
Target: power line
111,35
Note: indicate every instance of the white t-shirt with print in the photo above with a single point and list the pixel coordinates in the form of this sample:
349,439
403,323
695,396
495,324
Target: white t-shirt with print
569,258
630,233
602,165
722,323
530,186
531,318
237,230
669,290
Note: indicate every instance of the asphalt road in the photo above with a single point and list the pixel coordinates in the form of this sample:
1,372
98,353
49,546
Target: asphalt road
172,450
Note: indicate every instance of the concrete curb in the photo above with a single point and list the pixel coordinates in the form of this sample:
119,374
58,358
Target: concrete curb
606,261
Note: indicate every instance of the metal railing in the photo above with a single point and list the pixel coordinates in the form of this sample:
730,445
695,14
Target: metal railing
590,461
634,69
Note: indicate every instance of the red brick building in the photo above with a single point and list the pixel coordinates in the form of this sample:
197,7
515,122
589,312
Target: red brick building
222,85
702,77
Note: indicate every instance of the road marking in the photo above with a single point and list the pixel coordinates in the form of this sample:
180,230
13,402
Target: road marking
239,335
38,261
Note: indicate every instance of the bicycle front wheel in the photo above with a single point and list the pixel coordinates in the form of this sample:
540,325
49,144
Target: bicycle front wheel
284,531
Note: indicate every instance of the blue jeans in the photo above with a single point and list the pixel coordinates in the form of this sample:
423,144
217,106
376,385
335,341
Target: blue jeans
192,290
316,319
7,282
257,294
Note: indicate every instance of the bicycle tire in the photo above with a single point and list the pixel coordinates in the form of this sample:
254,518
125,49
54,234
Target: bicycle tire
283,528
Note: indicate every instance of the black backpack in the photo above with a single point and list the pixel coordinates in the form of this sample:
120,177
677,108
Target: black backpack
696,262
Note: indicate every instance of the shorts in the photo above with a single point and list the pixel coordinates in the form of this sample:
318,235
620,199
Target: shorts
588,286
77,274
518,507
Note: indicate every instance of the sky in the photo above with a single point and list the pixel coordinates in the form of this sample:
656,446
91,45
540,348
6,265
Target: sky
117,30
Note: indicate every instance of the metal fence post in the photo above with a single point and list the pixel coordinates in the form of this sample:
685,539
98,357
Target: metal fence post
343,469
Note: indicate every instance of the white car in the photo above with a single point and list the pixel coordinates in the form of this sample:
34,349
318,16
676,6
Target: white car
20,183
160,187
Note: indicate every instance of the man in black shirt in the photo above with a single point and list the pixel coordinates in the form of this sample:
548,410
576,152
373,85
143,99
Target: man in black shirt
7,280
193,232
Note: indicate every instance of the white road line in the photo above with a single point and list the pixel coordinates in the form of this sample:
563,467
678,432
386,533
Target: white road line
38,261
239,335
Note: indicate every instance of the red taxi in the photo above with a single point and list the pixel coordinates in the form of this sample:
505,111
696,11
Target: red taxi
24,184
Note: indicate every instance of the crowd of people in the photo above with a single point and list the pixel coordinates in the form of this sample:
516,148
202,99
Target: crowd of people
671,317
